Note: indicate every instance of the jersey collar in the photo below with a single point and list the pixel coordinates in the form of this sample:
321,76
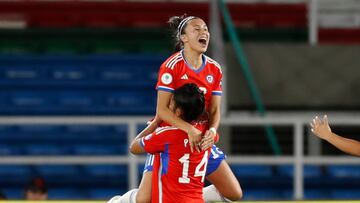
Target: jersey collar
191,67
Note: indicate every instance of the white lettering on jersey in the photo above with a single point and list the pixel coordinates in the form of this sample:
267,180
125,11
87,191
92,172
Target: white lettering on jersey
203,89
186,141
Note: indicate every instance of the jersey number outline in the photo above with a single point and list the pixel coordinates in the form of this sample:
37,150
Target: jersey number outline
184,160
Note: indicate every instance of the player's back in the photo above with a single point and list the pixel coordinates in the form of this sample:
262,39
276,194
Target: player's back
182,172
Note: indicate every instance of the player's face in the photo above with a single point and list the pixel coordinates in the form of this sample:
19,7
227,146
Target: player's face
35,196
196,35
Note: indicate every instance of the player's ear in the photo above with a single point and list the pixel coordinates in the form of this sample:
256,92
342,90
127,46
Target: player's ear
183,38
178,112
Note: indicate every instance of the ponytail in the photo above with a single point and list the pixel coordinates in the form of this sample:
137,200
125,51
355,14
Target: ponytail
177,25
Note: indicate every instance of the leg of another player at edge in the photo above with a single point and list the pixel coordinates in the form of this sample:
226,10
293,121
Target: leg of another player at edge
227,187
128,197
144,193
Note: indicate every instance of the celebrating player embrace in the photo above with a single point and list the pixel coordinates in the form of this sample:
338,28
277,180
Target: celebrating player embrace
190,65
178,175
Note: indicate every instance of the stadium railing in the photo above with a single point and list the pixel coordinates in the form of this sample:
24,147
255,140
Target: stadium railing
298,160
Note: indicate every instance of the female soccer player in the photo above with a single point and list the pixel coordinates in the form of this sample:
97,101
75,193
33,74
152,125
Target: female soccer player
321,128
179,176
190,65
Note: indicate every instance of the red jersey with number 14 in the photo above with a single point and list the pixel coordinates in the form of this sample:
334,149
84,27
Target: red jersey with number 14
175,72
178,176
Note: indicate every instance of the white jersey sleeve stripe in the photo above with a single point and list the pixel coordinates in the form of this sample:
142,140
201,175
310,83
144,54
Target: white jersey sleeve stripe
175,62
172,59
161,130
164,88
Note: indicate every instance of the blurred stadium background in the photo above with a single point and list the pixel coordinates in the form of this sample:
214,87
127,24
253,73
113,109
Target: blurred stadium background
77,83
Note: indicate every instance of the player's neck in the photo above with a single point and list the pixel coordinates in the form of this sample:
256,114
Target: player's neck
193,58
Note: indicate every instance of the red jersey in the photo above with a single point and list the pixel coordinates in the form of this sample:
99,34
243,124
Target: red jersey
175,72
178,175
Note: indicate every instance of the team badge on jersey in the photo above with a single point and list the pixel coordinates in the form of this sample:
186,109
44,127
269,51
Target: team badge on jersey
210,78
166,78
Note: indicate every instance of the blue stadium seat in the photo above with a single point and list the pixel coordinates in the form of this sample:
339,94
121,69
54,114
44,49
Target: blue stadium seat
79,84
252,170
19,73
71,73
16,170
56,171
13,193
348,194
67,193
18,134
105,193
262,194
309,171
29,99
107,176
100,149
8,149
96,133
118,172
76,100
15,175
46,149
343,171
311,194
317,194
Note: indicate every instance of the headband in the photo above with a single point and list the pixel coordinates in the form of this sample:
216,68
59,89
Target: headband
182,23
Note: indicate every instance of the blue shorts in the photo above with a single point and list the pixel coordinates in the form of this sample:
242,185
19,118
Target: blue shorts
216,156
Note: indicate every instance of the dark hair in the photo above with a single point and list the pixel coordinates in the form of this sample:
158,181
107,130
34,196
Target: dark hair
191,100
174,22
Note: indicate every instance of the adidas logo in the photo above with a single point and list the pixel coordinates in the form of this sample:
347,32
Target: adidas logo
184,77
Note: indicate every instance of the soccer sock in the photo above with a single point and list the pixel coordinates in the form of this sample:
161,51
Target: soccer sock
129,197
211,194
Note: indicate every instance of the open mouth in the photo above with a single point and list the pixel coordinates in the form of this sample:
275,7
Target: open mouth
202,41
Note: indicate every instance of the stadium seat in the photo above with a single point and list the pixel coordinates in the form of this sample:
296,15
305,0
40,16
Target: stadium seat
14,175
309,171
310,194
105,193
67,193
13,193
252,170
346,194
107,175
116,171
100,149
57,171
7,149
262,194
343,171
46,149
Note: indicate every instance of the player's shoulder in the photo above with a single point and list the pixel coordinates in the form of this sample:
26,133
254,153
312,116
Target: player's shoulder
166,129
213,63
172,60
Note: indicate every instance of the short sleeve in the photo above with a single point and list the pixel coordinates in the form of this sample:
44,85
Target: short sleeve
165,79
217,90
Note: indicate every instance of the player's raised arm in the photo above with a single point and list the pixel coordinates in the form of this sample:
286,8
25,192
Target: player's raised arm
320,127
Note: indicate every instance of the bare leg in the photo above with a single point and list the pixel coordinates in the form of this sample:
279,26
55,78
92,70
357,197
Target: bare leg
144,192
225,182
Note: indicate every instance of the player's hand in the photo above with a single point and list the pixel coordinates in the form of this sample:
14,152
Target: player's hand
320,127
194,138
208,140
